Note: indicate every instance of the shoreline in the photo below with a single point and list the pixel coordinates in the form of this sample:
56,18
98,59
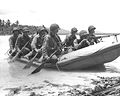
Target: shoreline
97,86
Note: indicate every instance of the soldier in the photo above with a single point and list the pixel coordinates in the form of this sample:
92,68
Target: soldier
37,43
69,40
52,43
92,39
83,41
12,41
23,43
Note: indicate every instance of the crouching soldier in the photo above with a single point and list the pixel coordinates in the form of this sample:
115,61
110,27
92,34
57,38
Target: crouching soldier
92,38
83,41
12,41
23,43
37,43
52,44
69,40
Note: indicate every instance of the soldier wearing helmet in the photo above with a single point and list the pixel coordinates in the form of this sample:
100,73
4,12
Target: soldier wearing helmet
83,41
21,41
12,41
91,29
37,43
51,44
69,40
92,39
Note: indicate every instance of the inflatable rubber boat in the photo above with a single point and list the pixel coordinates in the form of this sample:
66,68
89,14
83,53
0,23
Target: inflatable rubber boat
93,55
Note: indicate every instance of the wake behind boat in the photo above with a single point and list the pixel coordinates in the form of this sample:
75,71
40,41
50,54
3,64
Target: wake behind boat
90,56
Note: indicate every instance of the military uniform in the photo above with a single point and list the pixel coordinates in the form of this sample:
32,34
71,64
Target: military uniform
36,44
69,40
51,44
22,41
12,41
92,38
83,41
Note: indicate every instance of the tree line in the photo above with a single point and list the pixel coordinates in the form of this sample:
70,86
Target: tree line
7,26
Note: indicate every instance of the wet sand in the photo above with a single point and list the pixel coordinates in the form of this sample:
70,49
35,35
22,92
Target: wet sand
16,81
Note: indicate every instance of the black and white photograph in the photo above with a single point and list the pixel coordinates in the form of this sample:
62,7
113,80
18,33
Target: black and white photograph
59,48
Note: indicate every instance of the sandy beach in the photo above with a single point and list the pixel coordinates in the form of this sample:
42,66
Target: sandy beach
16,81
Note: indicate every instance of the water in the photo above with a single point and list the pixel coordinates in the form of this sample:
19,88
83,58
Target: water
13,74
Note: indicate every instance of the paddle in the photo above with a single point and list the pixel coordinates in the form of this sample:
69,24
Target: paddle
42,65
31,62
7,52
14,58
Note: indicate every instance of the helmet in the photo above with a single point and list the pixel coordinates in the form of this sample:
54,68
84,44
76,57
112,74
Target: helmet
54,27
15,29
40,30
91,27
74,30
83,32
25,29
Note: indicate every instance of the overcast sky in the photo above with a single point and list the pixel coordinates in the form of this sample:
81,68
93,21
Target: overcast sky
103,14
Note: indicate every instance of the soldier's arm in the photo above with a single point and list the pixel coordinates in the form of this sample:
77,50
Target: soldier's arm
33,43
66,40
17,44
75,42
11,43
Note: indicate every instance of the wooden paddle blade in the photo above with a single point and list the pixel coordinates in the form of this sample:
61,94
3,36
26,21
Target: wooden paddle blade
11,61
28,65
38,69
31,62
15,57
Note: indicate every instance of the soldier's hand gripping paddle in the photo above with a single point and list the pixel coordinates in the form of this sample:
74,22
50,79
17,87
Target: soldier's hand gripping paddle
15,57
42,65
30,63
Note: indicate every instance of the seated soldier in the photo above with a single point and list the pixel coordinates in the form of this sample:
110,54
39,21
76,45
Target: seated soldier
92,38
37,43
23,43
83,41
12,41
69,40
52,44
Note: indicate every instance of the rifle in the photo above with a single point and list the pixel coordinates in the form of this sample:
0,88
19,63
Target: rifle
110,34
99,37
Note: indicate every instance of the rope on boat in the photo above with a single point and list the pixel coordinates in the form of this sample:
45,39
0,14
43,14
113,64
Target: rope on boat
58,67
